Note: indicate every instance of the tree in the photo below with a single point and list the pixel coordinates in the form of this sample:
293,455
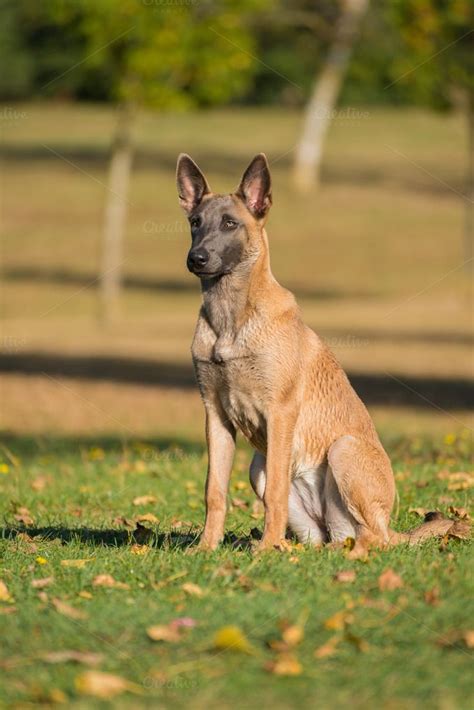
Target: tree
438,61
164,55
307,166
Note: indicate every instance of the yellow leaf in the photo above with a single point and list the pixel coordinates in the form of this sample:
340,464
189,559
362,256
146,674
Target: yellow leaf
231,638
4,468
293,635
140,549
75,563
144,500
194,590
147,518
41,561
339,620
103,685
4,593
85,595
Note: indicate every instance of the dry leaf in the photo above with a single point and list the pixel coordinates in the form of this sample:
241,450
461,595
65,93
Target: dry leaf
461,513
194,590
78,564
127,522
39,483
231,638
23,515
285,664
68,610
460,529
87,657
106,580
431,596
4,593
41,583
293,635
239,503
104,685
345,576
390,580
457,638
328,648
148,518
140,549
339,620
164,632
144,500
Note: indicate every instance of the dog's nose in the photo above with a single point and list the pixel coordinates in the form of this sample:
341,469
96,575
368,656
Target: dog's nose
197,259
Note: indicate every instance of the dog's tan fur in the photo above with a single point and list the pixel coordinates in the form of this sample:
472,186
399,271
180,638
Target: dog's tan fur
319,465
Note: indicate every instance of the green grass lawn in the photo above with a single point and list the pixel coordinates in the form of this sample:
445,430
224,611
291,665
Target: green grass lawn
64,501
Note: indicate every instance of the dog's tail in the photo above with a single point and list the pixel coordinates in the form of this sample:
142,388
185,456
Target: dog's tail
435,524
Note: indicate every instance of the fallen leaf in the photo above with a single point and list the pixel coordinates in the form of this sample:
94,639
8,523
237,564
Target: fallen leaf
328,648
140,549
469,638
39,483
164,632
460,529
390,580
79,564
106,580
6,610
41,561
461,513
293,635
148,518
87,657
4,593
144,500
431,596
23,515
84,594
285,664
104,685
231,638
127,522
345,576
41,583
339,620
68,610
194,590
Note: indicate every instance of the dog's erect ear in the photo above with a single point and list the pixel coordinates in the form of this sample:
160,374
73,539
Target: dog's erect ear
255,188
192,185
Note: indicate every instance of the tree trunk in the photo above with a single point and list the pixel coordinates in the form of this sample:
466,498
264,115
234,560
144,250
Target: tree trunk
115,215
307,166
469,222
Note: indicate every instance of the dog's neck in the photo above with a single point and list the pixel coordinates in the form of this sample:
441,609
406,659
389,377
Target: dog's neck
231,299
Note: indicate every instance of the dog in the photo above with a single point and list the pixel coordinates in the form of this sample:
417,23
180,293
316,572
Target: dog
319,466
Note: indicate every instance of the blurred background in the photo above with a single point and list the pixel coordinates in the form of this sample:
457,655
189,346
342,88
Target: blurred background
366,113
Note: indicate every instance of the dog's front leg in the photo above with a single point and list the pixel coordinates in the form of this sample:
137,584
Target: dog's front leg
220,435
275,499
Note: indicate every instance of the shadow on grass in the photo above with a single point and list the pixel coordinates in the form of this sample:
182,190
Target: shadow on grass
109,537
373,388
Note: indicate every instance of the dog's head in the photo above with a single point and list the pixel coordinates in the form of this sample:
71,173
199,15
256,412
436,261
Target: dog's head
226,230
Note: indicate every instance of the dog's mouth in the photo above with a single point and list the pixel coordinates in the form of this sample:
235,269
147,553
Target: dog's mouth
209,274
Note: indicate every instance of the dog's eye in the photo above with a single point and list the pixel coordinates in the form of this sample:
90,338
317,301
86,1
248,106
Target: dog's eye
229,224
195,222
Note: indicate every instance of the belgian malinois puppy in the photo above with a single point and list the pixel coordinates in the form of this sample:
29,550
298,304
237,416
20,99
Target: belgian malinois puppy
319,466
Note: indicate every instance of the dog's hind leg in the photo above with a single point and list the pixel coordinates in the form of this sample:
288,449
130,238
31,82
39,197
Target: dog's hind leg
366,488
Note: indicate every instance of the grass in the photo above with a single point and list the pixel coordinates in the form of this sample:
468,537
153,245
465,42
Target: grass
79,495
